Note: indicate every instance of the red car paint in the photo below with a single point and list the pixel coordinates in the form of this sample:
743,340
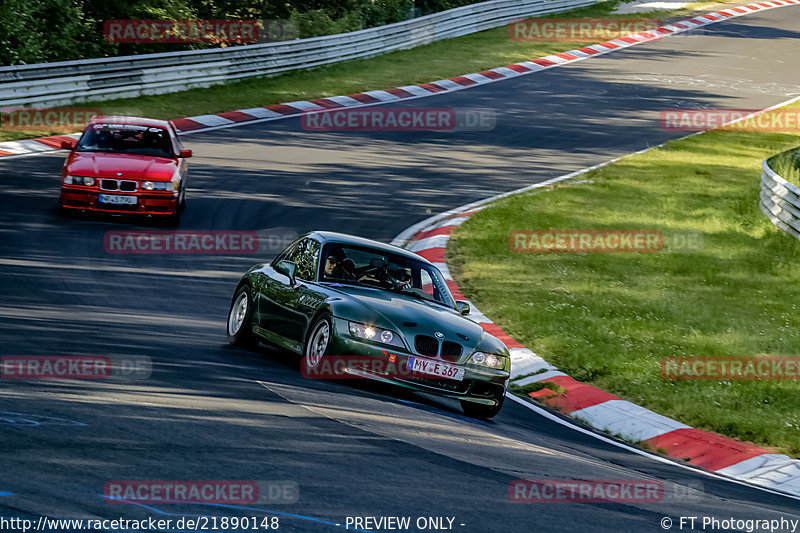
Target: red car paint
150,185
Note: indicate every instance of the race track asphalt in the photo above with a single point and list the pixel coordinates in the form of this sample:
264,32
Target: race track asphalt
214,412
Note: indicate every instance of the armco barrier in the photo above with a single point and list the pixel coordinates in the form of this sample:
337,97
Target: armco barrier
780,201
48,84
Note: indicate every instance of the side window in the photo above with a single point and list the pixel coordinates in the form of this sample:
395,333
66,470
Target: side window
427,282
306,256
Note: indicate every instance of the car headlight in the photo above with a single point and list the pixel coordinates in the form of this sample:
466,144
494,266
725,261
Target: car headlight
79,180
158,186
371,333
489,360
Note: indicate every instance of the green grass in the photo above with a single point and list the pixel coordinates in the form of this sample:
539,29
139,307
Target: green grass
787,165
442,59
608,319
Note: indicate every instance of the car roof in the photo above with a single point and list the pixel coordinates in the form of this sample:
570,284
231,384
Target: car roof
343,238
139,121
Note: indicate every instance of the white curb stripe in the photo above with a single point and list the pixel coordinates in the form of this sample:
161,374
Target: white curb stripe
383,96
212,120
260,112
344,100
628,419
303,105
416,90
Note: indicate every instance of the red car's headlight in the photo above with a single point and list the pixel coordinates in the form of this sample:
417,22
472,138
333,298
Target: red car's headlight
79,180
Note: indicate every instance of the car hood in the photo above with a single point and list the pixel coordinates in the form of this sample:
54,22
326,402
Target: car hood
106,165
398,312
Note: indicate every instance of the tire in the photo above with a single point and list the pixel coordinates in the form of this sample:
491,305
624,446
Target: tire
240,319
182,201
481,411
318,341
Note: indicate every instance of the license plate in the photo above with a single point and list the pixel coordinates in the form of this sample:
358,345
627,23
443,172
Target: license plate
435,368
117,199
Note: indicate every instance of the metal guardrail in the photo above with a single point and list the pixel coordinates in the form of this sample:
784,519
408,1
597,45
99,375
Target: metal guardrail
780,201
47,84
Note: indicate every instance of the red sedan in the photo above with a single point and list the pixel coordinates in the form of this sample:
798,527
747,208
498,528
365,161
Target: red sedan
126,166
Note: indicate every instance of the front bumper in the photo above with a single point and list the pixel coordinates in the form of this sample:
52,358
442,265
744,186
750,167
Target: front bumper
147,203
479,385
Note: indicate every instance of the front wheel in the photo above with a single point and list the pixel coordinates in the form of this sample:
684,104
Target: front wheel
482,411
317,342
240,319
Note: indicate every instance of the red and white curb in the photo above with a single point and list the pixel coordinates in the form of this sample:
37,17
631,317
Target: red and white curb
599,409
242,117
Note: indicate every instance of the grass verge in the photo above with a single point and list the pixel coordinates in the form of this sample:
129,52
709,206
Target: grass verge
439,60
609,319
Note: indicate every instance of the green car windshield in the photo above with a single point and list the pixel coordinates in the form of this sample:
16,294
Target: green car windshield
354,265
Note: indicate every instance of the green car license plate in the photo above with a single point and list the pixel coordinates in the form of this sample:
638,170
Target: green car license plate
435,368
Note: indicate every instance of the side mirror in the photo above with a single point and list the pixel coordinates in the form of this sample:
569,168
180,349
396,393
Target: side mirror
185,154
67,145
288,269
462,306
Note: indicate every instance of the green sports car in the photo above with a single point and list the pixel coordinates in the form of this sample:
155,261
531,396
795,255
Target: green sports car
352,307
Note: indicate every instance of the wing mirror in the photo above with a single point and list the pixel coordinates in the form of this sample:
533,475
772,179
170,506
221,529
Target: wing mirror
462,306
288,269
185,154
67,145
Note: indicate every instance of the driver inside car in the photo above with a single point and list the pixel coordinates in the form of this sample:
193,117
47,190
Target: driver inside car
338,266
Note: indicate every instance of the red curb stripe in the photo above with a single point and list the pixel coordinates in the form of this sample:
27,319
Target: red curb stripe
708,450
697,21
587,50
712,17
3,152
327,104
664,30
434,255
764,4
628,40
461,80
609,44
725,14
187,124
544,62
432,87
456,292
566,55
492,74
446,230
518,68
494,329
578,396
236,116
284,109
400,93
364,98
679,25
53,141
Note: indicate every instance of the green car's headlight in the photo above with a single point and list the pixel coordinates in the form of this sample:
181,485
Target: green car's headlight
489,360
371,333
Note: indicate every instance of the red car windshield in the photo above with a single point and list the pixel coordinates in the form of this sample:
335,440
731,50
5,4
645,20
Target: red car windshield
126,139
